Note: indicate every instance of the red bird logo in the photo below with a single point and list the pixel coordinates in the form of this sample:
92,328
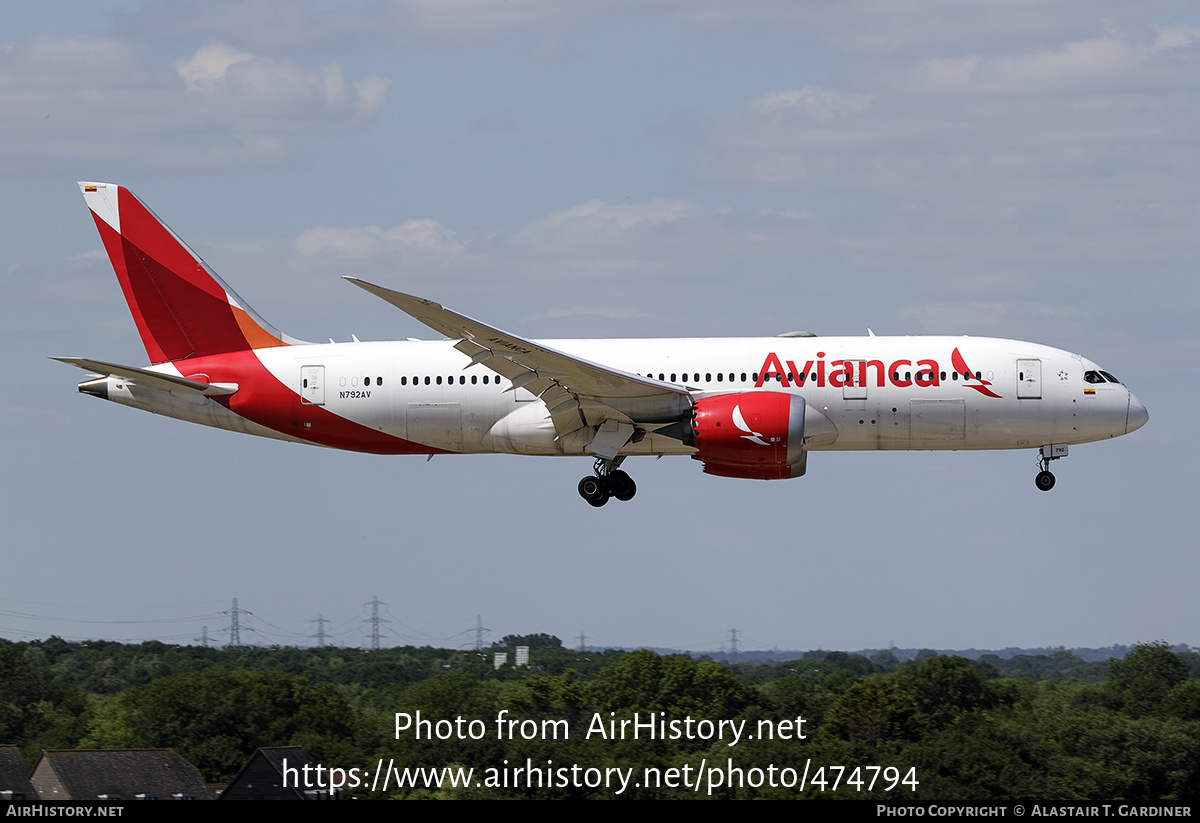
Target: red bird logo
978,385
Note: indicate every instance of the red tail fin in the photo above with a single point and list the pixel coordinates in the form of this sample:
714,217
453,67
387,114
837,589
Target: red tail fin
181,307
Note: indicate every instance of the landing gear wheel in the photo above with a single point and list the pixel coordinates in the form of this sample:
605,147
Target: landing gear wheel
1044,481
594,491
621,485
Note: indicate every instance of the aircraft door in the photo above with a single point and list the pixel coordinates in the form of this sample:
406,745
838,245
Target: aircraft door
1029,379
312,385
855,385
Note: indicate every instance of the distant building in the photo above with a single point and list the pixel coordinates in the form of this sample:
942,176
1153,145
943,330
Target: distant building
14,775
522,656
117,774
279,773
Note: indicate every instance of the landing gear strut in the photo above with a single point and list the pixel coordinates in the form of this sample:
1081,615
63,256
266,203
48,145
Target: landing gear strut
1045,480
608,481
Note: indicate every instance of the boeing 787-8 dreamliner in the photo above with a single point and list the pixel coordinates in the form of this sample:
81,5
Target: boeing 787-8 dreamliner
744,407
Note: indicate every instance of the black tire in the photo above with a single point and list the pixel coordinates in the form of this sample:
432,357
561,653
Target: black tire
1044,481
621,485
593,490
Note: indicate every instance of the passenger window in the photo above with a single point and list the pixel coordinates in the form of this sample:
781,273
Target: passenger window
439,380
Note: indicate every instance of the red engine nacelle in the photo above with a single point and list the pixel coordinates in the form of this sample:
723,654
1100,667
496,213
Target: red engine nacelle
758,435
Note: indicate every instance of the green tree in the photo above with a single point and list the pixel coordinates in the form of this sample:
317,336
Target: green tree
678,685
217,717
535,642
1142,679
32,700
945,687
873,712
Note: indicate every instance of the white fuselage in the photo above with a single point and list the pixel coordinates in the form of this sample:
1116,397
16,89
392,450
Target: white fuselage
875,392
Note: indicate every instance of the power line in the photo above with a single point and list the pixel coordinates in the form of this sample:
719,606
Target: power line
235,624
320,635
479,632
375,620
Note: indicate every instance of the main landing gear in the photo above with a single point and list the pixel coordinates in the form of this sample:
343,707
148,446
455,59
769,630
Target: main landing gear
1045,480
608,481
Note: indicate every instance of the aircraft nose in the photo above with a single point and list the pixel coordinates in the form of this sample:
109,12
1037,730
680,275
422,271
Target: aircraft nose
1137,414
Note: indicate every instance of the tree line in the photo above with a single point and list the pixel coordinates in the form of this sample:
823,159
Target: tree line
1050,727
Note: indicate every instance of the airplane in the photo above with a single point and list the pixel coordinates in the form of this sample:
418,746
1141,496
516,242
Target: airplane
744,407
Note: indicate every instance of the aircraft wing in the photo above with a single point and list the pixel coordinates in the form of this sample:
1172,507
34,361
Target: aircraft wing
577,392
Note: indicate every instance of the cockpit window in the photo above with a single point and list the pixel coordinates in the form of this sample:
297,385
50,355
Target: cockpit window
1092,377
1110,378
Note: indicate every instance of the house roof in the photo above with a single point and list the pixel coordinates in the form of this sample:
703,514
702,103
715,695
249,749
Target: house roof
90,773
264,776
14,774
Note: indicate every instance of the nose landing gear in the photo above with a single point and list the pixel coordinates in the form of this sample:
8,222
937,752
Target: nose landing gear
1045,480
608,481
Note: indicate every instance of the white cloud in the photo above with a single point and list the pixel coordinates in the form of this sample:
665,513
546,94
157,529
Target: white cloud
809,118
598,222
1074,65
209,64
66,99
228,76
812,102
1174,37
424,236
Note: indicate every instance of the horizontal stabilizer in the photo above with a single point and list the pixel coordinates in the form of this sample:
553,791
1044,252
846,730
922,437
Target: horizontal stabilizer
150,379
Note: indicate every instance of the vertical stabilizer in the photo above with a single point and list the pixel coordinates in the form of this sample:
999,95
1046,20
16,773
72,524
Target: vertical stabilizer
181,307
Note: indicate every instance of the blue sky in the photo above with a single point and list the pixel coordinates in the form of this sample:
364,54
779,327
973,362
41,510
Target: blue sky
614,169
